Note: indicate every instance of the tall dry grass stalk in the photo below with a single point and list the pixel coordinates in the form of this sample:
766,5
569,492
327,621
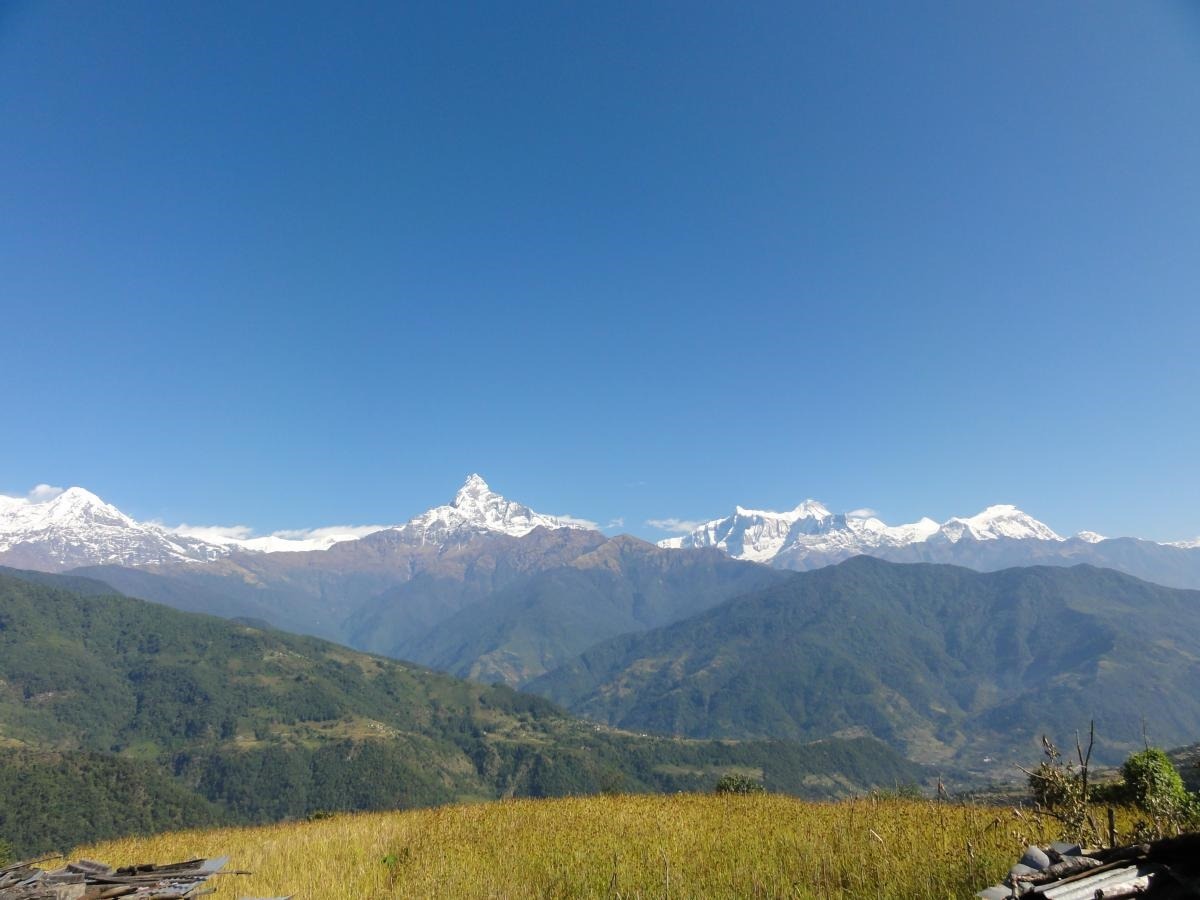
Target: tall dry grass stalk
700,846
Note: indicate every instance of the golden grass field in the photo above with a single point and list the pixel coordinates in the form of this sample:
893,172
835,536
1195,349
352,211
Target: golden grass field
686,845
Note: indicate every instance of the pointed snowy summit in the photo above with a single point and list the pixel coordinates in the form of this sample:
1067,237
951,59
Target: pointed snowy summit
473,490
477,509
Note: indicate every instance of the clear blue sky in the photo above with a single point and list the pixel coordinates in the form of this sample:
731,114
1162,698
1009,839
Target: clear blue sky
289,264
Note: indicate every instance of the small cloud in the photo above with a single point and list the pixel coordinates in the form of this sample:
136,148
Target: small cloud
215,534
579,523
675,526
329,532
618,522
43,492
864,512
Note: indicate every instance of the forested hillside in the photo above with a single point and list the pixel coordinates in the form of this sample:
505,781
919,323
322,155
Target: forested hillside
947,664
258,724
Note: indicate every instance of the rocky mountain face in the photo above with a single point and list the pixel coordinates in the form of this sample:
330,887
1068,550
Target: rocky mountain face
481,586
492,606
397,585
539,622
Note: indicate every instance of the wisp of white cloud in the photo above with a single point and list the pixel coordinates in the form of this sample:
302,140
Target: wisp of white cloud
334,532
618,522
579,523
675,526
239,534
864,512
214,534
42,493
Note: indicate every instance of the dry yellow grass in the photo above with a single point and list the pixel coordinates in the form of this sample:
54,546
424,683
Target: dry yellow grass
628,846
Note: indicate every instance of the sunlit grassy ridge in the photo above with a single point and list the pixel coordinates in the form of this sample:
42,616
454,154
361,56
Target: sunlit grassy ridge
684,845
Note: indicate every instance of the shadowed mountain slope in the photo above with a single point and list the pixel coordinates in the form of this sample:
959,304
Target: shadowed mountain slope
943,662
542,621
492,606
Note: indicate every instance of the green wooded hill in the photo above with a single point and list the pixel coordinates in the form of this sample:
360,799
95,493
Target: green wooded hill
237,723
947,664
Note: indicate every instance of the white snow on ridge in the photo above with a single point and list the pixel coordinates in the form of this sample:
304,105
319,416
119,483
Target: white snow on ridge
996,522
754,534
811,529
477,509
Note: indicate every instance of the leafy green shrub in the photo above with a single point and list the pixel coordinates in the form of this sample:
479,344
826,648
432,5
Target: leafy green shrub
6,854
1155,786
739,784
1153,783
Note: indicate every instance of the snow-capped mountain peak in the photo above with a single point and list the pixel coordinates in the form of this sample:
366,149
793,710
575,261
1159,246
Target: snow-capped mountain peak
754,534
1091,537
477,509
811,509
74,527
75,507
473,493
1001,521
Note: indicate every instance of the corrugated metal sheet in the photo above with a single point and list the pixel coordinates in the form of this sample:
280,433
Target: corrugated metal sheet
1086,888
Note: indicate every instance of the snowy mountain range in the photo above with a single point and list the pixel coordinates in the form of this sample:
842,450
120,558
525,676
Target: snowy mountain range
811,530
56,530
999,537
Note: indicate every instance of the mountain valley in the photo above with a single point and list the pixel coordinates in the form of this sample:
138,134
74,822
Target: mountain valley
952,666
221,721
